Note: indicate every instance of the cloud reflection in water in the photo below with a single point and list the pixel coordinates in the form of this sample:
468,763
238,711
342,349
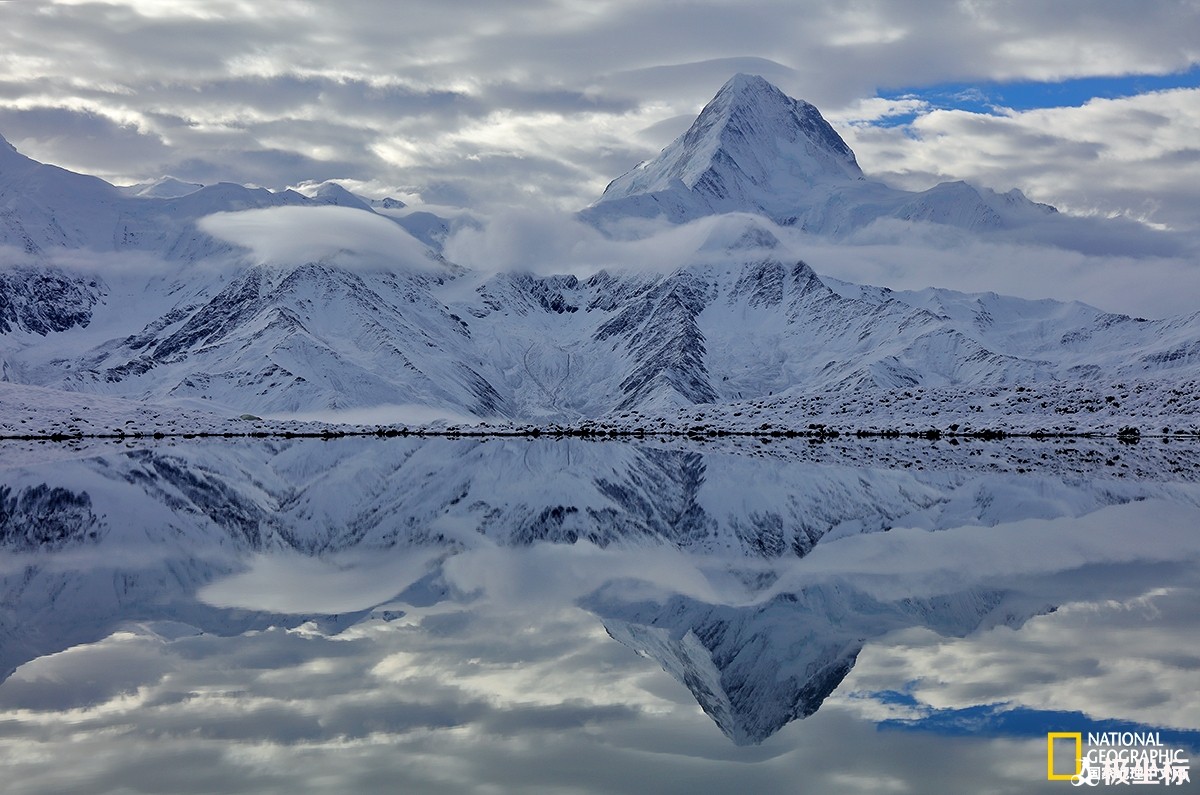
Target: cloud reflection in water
393,620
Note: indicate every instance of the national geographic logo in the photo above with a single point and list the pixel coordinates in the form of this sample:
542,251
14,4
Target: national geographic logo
1115,758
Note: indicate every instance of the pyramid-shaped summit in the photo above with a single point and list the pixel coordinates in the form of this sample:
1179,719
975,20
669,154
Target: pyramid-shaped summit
751,148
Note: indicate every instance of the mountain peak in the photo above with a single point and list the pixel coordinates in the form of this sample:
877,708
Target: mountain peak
167,187
751,148
335,194
748,82
739,233
750,107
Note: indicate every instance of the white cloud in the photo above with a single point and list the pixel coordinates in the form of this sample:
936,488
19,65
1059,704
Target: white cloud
1142,682
1135,156
548,242
908,562
913,256
295,584
291,235
534,101
1147,274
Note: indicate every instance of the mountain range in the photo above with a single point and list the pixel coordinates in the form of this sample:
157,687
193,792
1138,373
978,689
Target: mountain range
246,300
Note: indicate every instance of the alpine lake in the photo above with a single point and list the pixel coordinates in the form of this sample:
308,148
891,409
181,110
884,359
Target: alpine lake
493,615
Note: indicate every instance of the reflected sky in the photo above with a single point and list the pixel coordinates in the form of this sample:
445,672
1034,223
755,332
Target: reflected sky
514,616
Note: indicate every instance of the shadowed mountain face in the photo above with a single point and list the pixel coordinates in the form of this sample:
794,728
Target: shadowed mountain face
92,544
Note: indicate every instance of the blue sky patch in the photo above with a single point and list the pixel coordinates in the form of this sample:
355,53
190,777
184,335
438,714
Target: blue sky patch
987,97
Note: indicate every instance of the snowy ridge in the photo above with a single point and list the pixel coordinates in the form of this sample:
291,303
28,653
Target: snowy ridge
44,208
162,188
558,349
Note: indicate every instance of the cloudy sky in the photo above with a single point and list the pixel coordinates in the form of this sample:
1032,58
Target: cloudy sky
533,106
547,100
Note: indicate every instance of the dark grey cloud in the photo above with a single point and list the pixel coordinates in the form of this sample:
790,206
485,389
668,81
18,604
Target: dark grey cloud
83,139
266,167
266,96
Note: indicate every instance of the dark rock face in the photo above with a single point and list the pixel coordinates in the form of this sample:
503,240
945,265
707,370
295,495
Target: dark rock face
206,493
232,306
44,300
663,334
763,282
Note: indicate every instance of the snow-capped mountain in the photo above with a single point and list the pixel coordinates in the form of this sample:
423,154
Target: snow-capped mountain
751,148
247,300
162,188
44,208
754,149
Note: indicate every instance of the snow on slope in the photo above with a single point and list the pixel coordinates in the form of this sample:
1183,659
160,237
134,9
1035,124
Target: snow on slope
751,148
285,341
751,324
747,323
162,188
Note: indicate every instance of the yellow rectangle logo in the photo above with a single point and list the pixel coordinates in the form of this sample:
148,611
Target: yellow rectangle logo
1050,738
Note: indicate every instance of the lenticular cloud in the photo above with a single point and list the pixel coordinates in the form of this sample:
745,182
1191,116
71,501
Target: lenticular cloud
349,237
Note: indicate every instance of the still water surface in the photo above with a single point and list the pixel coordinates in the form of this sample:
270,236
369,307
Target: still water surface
438,615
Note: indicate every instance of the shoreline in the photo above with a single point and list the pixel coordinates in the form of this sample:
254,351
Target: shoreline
1136,411
1127,435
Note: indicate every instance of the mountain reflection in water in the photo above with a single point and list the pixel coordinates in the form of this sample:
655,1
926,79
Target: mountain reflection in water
753,573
